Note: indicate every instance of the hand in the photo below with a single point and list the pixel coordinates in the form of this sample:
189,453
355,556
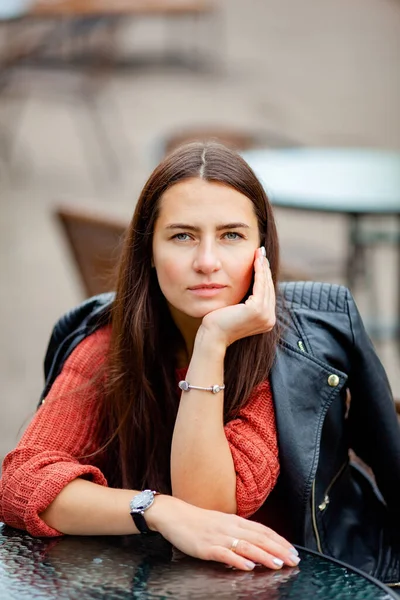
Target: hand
256,315
209,535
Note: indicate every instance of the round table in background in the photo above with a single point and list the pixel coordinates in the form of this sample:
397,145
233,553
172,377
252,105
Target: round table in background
353,182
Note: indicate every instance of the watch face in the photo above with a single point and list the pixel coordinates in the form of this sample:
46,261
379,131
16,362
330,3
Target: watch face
142,501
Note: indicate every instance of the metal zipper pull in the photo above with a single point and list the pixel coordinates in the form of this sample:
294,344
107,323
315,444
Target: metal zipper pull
301,345
325,503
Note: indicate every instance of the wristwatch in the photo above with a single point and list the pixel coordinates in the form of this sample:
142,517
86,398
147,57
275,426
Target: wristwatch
138,505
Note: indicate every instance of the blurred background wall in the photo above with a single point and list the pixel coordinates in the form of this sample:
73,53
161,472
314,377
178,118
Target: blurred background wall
319,73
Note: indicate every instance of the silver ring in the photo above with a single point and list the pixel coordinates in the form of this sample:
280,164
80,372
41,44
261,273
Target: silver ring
234,544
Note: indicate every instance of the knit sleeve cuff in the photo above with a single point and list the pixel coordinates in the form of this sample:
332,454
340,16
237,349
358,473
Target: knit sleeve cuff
44,494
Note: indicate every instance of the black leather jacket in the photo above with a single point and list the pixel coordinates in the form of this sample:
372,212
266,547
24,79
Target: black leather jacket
321,500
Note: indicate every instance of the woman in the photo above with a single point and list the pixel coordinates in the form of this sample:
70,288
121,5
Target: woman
188,391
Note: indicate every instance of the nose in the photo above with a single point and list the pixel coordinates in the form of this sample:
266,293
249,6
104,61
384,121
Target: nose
206,259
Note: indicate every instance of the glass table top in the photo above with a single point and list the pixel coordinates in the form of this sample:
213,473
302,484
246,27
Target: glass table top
150,568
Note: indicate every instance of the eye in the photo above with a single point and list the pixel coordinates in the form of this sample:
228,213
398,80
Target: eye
181,237
233,235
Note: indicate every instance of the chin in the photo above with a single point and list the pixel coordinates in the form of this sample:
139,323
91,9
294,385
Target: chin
199,312
196,313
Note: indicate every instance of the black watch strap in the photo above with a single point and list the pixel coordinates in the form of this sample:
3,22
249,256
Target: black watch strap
140,522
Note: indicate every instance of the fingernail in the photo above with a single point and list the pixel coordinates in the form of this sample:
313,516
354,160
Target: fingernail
267,261
250,565
263,251
294,551
278,562
295,560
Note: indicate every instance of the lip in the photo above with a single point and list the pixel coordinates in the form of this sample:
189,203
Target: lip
207,286
207,290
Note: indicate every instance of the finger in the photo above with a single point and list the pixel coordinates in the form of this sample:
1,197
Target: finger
258,555
270,288
287,555
263,290
269,297
260,277
268,275
232,559
258,528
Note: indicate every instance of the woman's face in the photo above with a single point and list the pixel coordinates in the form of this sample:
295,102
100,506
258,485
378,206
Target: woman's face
203,247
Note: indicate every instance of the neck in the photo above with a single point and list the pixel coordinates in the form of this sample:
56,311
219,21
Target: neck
188,326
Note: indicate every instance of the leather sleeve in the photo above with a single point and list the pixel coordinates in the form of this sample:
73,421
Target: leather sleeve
373,424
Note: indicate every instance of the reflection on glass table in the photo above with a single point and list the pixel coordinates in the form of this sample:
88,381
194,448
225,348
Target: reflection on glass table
138,567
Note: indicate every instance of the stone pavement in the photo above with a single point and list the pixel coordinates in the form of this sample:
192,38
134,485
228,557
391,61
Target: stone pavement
323,73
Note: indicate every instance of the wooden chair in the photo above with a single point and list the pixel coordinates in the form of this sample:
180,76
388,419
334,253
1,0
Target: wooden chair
95,243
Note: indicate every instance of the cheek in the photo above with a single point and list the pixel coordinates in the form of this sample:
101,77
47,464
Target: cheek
169,272
243,276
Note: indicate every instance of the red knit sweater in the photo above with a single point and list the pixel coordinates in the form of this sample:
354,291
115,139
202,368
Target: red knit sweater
45,460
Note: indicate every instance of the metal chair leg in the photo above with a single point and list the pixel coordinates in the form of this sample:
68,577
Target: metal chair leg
398,288
356,256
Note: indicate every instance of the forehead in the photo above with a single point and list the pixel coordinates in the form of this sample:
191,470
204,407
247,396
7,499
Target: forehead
198,199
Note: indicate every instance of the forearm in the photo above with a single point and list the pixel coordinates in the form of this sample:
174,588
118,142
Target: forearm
202,469
85,508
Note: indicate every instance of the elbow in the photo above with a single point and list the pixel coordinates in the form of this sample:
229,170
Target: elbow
251,494
18,510
11,517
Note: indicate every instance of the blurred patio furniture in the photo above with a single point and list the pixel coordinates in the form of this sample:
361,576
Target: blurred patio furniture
94,243
87,92
19,82
12,50
12,9
356,183
49,8
85,16
72,47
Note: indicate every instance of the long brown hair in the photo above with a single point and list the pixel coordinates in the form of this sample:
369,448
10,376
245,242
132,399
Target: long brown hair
142,398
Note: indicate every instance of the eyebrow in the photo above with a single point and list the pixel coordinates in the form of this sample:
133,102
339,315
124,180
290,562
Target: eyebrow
219,227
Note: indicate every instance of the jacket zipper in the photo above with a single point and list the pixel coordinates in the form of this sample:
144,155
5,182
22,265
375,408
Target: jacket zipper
314,518
301,345
326,499
323,504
